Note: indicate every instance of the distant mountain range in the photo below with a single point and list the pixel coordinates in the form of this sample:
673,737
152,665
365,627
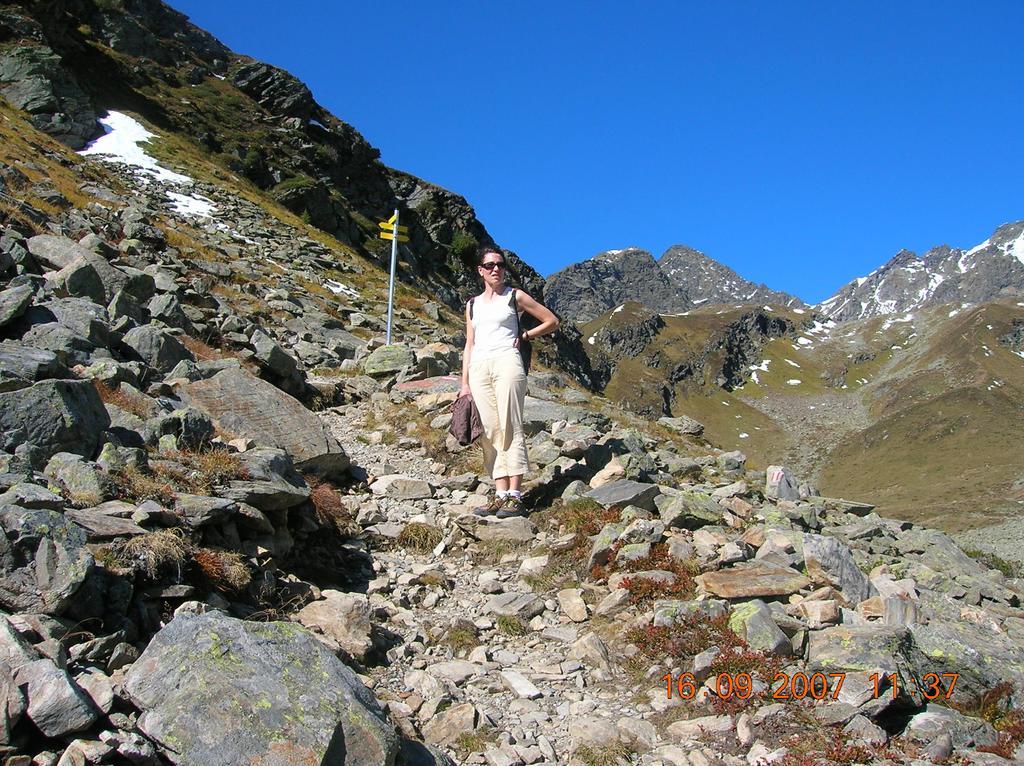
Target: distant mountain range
992,270
683,279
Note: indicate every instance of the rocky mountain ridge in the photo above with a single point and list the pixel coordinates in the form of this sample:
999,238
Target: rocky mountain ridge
992,270
681,279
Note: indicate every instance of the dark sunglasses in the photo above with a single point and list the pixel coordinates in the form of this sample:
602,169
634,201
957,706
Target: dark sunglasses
493,265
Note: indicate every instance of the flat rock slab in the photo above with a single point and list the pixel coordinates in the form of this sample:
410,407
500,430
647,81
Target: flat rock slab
246,406
753,581
625,492
20,366
520,685
217,691
100,526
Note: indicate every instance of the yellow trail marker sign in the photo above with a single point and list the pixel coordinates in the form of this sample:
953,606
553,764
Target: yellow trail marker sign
390,235
387,226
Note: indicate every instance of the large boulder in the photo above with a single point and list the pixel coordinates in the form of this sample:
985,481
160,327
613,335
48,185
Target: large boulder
217,691
54,416
43,560
245,406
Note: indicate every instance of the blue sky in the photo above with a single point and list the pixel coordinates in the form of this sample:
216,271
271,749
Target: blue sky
800,143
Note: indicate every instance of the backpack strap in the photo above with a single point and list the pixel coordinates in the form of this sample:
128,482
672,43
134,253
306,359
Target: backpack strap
515,311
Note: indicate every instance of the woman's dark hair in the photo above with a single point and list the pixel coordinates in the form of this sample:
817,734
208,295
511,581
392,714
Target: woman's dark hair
483,250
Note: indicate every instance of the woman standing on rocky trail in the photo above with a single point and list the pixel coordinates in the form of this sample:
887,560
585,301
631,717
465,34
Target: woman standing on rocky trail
494,374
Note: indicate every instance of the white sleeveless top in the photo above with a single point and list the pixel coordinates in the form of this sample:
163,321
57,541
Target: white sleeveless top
494,327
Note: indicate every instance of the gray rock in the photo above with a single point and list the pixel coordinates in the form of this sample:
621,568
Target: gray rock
55,704
667,613
862,650
271,356
273,482
20,365
167,309
32,78
13,302
688,510
344,617
216,691
82,317
517,529
200,511
626,492
33,497
56,252
830,562
101,526
937,720
730,462
522,605
683,425
780,484
753,622
602,544
389,360
246,406
401,487
445,727
79,480
12,703
43,560
15,651
69,347
157,347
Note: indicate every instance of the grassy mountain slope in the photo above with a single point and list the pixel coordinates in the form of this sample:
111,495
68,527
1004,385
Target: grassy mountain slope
921,414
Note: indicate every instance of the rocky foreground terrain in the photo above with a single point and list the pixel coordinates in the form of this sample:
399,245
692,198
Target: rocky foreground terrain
234,532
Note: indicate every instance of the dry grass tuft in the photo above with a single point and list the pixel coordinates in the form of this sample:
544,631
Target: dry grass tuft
420,537
152,555
193,472
135,485
125,401
201,350
224,570
327,505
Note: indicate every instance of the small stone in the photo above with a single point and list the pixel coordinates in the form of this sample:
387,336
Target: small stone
572,604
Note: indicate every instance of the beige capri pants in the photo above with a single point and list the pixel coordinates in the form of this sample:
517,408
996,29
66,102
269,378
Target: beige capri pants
498,385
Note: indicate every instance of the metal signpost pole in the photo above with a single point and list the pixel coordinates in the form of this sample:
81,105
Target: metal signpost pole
394,262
